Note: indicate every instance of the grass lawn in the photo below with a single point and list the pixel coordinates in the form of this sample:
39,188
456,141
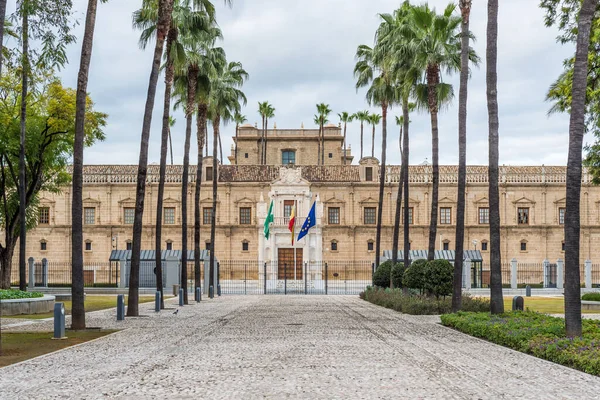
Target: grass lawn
92,303
546,305
20,346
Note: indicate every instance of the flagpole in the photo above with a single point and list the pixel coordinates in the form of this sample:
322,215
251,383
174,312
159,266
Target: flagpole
293,241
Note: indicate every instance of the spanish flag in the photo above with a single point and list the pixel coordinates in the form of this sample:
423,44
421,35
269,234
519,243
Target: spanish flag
292,222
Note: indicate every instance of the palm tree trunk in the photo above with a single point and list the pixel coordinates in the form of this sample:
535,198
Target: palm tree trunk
266,139
345,143
433,79
221,151
213,219
165,135
496,300
201,126
361,140
206,136
22,194
319,146
78,308
165,8
381,183
396,234
373,142
171,145
576,131
323,142
465,6
405,176
236,144
191,96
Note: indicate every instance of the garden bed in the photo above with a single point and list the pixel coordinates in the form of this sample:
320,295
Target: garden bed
416,304
16,302
537,334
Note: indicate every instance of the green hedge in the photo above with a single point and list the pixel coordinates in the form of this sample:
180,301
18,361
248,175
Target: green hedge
413,304
11,294
536,334
385,271
595,296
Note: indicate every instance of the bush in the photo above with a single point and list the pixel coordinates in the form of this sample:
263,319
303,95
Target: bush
396,299
533,333
414,275
595,296
381,277
398,274
11,294
438,277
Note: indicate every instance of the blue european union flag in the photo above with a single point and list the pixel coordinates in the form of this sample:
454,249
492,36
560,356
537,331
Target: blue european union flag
310,221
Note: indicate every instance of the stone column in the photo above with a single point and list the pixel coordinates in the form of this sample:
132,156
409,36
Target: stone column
546,264
124,265
466,274
560,267
513,273
588,274
45,272
31,273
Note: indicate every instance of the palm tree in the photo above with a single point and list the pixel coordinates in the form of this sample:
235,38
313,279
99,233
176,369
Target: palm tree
436,46
165,9
224,101
345,117
264,109
362,116
496,300
172,122
77,296
269,113
465,8
323,111
374,120
574,170
238,119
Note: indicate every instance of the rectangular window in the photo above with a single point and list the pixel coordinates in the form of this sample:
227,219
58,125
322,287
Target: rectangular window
245,215
369,174
209,174
169,216
484,246
370,246
287,208
89,215
43,246
333,246
446,246
288,157
330,155
129,215
44,215
445,215
523,216
370,215
129,245
563,246
523,246
561,215
207,246
484,215
88,246
410,215
333,216
244,246
207,215
245,155
169,245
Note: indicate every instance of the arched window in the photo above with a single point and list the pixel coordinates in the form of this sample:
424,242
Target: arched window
523,245
43,245
88,245
169,245
128,245
245,245
334,245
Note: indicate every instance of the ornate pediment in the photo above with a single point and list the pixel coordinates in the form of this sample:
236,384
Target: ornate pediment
483,200
290,177
562,201
208,200
89,200
523,200
334,200
245,200
46,201
170,200
368,200
446,200
127,200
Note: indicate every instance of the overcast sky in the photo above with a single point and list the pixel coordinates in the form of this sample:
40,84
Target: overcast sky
299,53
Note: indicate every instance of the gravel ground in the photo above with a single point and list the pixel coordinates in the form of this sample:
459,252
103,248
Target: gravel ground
274,347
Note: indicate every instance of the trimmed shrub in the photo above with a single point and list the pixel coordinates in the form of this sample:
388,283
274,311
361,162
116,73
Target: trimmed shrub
595,296
11,294
438,277
381,277
414,275
398,274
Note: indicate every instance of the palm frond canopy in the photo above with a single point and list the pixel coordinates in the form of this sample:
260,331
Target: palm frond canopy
225,97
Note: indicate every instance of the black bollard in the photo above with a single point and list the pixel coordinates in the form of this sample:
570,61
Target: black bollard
518,303
157,301
218,289
198,295
528,291
59,321
181,297
120,307
211,291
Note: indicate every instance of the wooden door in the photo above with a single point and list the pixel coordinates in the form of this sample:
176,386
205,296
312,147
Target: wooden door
285,264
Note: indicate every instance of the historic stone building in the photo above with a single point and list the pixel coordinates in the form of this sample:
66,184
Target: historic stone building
532,206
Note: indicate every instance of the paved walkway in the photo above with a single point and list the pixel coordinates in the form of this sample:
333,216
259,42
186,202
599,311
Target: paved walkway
275,347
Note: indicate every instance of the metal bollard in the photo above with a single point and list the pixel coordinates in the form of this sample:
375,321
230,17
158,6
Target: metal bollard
181,298
219,289
528,291
120,307
59,321
198,295
157,301
211,291
518,303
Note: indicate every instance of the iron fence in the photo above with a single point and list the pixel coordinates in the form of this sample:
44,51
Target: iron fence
595,275
59,274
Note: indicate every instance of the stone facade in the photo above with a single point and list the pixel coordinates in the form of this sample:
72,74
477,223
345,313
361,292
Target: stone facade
532,202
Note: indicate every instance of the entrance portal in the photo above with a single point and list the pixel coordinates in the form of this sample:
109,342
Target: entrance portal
286,268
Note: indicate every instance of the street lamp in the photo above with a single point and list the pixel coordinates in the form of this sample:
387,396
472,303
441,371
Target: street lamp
475,244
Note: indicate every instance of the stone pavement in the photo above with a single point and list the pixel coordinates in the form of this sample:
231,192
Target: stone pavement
274,347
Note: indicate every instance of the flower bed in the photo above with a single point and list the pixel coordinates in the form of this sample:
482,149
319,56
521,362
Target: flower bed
417,304
11,294
536,334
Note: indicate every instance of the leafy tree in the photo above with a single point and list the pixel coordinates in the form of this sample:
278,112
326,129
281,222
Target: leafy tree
50,135
414,276
362,116
382,274
397,275
438,278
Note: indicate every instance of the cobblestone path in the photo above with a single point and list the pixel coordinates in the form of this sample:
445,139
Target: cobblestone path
277,347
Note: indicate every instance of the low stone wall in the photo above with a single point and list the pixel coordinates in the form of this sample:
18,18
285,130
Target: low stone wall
590,305
38,305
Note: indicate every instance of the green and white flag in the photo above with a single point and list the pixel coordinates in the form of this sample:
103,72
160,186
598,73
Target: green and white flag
268,220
